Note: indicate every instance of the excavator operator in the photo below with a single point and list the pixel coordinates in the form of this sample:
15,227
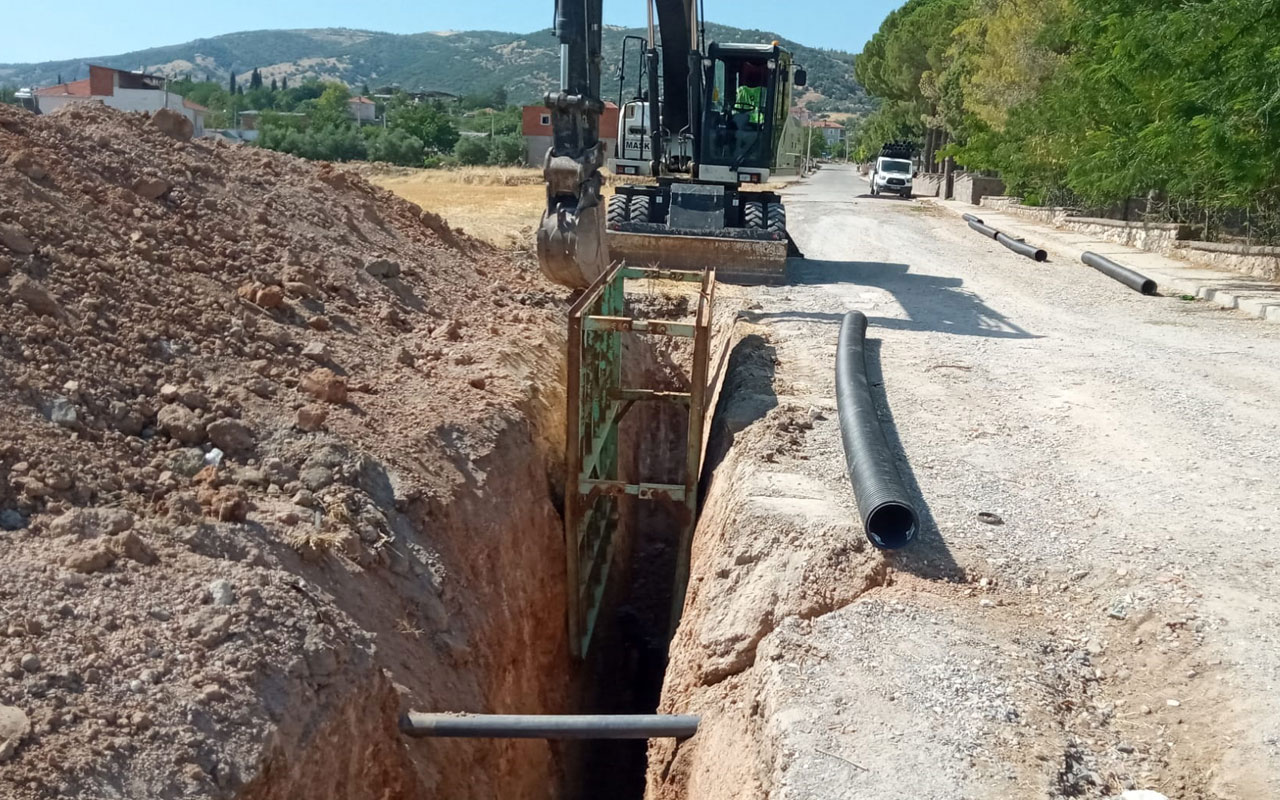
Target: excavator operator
752,77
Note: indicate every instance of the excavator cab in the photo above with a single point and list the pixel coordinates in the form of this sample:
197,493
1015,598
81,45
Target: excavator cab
747,99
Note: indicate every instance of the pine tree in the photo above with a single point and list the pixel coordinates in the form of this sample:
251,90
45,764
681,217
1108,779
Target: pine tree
255,79
231,85
59,77
284,84
275,85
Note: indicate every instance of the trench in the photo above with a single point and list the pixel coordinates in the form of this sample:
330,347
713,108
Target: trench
478,623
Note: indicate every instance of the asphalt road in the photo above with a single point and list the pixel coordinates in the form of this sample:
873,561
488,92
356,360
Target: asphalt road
1119,630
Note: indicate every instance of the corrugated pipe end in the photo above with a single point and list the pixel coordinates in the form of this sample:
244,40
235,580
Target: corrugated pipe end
891,525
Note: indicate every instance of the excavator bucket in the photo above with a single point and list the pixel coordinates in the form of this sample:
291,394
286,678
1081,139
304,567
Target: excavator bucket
738,255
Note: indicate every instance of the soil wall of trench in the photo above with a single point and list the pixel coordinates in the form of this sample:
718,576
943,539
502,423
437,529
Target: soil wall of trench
466,614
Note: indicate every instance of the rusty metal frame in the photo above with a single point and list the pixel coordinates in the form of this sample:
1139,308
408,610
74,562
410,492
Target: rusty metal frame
597,403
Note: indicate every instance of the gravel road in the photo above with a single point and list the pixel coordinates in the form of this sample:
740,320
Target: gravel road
1118,630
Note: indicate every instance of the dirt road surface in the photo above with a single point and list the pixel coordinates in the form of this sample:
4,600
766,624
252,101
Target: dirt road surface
1117,631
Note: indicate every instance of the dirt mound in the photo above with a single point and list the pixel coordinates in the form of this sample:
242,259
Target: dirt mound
232,380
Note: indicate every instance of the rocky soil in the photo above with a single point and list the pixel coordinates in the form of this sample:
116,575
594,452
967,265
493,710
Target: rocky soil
274,467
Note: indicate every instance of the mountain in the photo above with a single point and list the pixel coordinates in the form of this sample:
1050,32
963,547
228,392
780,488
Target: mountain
459,62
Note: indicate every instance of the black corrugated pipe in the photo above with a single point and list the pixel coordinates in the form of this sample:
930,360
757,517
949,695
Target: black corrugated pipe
1022,248
1134,280
990,233
547,726
970,218
887,514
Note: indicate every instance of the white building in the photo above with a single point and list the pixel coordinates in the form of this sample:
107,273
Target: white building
362,110
127,91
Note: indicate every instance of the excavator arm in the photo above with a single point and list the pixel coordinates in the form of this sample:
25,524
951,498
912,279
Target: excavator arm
572,249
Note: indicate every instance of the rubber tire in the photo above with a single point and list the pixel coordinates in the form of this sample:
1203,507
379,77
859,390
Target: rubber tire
753,215
776,218
617,209
907,195
638,208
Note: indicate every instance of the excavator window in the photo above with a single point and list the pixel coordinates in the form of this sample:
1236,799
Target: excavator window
737,113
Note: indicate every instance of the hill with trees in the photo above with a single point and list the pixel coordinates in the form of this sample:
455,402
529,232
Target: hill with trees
467,62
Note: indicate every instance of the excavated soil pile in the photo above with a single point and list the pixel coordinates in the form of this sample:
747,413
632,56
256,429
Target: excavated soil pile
270,471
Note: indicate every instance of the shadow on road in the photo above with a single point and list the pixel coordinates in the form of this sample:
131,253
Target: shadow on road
928,556
931,302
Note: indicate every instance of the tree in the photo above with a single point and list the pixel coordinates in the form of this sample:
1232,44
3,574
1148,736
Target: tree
331,108
471,151
507,150
284,83
428,122
275,85
393,146
231,84
59,78
255,79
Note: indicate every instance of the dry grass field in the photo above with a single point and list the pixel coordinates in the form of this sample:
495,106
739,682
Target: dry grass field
501,205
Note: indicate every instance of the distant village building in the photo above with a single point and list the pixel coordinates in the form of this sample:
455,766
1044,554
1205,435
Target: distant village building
362,110
536,126
832,132
127,91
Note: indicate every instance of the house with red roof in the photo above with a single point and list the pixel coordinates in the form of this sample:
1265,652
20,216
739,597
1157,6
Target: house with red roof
362,110
127,91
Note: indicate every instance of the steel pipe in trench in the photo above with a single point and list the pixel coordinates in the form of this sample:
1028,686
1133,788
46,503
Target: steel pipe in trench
1021,248
1134,280
990,233
888,517
549,726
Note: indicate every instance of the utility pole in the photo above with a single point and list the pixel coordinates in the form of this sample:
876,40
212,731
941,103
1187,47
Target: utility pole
808,142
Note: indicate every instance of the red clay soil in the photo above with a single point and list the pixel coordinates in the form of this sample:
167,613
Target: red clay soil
273,468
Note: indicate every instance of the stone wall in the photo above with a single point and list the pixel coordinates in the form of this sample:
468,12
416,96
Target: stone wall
972,188
927,185
1262,262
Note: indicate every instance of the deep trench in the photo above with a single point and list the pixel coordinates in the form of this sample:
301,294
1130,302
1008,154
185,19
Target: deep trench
625,667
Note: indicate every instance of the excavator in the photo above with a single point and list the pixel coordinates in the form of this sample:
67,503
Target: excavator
707,120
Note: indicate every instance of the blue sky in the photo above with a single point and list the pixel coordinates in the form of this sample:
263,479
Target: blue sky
67,29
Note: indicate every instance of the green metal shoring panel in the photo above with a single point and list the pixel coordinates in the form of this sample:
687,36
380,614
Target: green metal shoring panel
597,403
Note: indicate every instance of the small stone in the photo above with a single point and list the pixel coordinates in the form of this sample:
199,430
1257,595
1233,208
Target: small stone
14,727
382,268
269,297
160,614
316,477
304,498
90,558
325,386
231,436
34,296
222,592
1124,748
404,356
152,188
320,323
477,383
11,520
169,393
133,547
311,418
63,412
14,238
212,693
451,330
136,686
173,124
23,162
180,423
316,351
1171,703
30,662
1094,647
